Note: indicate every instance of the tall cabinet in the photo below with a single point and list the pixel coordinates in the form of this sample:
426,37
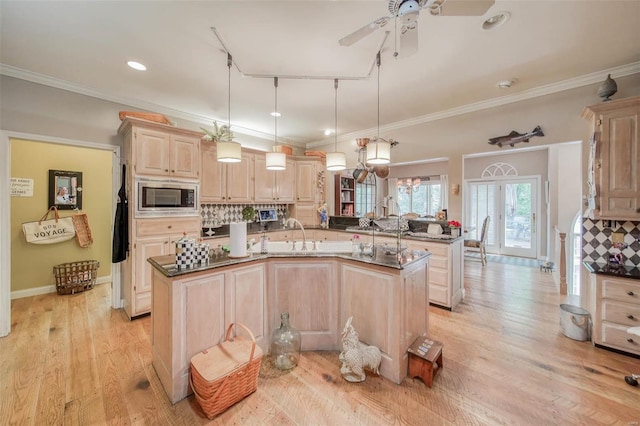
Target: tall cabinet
616,167
154,150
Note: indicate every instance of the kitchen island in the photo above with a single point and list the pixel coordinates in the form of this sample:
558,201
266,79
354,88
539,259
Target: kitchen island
387,295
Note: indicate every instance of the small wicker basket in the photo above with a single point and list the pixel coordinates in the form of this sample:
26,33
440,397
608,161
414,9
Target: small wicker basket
83,230
75,277
226,373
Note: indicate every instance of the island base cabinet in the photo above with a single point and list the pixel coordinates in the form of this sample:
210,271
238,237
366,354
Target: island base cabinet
389,311
192,314
308,290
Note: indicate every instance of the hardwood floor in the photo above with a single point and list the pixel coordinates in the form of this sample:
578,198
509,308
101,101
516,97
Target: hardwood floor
74,360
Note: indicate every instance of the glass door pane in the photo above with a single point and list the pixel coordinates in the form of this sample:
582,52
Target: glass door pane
519,212
482,202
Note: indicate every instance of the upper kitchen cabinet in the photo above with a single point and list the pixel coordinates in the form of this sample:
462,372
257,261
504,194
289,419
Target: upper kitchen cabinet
225,182
273,186
616,165
159,150
307,180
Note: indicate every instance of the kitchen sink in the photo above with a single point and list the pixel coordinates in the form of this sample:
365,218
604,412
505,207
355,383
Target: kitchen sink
313,247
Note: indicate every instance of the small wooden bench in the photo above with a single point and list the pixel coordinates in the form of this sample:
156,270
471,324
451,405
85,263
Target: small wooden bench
425,359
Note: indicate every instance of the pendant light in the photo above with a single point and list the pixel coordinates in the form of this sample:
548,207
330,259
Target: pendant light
229,151
276,160
378,150
336,161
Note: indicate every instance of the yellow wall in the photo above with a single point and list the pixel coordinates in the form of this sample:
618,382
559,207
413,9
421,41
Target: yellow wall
31,264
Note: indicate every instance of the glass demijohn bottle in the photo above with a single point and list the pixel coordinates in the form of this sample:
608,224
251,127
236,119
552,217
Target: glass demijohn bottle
285,344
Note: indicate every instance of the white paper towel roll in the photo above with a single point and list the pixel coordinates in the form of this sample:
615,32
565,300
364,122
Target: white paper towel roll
238,234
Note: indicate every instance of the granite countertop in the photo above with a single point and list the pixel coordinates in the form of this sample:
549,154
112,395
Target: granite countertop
166,264
623,271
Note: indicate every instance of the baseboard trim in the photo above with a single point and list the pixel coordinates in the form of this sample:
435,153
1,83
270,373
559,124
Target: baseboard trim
19,294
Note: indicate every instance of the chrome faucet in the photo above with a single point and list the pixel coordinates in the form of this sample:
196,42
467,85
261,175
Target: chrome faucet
304,237
384,203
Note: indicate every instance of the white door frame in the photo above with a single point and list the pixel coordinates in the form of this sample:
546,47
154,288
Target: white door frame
499,180
5,220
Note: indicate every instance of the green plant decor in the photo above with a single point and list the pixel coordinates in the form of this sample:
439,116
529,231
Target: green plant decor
220,133
248,213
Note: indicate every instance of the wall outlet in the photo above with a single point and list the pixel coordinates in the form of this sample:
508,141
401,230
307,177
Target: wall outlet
617,237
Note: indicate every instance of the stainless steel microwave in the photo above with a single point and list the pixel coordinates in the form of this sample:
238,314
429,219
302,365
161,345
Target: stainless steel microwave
166,198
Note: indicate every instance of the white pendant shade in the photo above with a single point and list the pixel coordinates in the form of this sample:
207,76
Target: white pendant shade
336,161
379,152
229,152
276,161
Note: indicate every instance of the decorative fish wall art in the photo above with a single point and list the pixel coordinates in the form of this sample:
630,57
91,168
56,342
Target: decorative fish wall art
514,137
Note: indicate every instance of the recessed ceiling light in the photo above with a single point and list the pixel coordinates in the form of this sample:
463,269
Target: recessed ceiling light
137,66
276,114
328,132
496,20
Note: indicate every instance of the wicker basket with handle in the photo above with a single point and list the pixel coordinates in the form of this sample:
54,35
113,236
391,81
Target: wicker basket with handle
226,373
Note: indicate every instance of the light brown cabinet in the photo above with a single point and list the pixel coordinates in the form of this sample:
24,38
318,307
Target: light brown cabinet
192,312
616,125
307,180
163,153
446,271
153,237
273,186
615,308
225,182
154,149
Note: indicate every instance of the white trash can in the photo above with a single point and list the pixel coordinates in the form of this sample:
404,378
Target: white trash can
575,322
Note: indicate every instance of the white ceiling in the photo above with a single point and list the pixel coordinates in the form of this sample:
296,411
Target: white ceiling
84,46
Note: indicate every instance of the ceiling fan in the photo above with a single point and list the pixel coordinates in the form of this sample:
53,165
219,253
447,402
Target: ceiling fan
407,13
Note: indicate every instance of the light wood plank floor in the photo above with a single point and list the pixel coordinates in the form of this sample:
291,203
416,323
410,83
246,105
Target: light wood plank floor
73,360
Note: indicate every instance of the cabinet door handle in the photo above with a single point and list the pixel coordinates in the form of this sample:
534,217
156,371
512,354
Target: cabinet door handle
630,340
630,293
166,170
630,316
169,226
638,210
173,171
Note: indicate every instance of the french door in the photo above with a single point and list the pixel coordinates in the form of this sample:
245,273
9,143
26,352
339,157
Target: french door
512,205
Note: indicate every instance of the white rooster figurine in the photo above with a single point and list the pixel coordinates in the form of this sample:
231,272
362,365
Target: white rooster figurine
356,355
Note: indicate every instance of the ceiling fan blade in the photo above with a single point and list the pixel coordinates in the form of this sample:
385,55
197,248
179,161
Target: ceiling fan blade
363,32
408,41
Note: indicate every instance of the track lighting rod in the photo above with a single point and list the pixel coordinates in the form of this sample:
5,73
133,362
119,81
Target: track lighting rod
375,61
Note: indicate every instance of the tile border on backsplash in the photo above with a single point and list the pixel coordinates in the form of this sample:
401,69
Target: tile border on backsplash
215,215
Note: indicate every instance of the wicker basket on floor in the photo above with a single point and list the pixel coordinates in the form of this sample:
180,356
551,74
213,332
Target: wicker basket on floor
226,373
75,277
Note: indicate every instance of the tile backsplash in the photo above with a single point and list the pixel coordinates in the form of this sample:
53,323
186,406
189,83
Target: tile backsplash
215,215
597,243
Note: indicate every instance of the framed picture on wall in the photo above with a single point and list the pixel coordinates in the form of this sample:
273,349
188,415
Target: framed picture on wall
65,189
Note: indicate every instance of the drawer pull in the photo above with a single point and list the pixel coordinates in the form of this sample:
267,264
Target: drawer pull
630,340
169,226
630,316
630,293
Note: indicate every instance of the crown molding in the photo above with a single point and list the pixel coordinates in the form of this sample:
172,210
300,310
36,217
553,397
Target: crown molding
573,83
580,81
45,80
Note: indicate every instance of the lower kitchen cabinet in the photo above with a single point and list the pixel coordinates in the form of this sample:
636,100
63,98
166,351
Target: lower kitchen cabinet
446,271
155,237
192,313
615,308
